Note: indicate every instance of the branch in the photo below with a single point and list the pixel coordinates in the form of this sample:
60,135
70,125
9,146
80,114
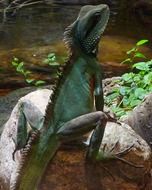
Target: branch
27,4
16,5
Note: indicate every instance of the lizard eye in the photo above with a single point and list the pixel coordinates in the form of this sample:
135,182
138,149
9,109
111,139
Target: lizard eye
96,18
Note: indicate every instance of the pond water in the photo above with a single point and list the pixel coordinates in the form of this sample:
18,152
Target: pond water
44,24
34,28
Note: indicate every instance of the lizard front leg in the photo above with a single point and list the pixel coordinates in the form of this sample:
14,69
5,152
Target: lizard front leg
81,125
28,114
97,136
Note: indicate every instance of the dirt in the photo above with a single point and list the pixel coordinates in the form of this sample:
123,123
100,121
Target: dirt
69,170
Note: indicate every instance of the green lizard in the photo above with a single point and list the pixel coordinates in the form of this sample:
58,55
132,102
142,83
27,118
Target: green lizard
75,107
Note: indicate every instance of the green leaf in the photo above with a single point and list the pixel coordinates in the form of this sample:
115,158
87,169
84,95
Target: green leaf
29,81
140,93
109,99
142,42
149,63
118,111
135,102
150,88
148,78
128,77
27,72
125,101
20,67
15,64
127,61
124,90
141,66
39,82
134,49
137,78
52,57
139,55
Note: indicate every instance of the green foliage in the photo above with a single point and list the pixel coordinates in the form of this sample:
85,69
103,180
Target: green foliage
133,86
20,68
134,53
51,60
54,60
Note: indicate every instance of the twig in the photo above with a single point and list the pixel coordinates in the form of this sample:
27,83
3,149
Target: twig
16,5
32,3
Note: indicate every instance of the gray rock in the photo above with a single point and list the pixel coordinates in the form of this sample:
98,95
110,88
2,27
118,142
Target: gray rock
8,102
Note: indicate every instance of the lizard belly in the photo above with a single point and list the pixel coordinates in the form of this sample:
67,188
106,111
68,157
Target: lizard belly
76,97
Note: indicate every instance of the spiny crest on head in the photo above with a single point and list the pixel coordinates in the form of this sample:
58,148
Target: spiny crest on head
68,36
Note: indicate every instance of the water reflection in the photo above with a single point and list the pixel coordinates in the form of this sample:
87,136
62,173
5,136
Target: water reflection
44,24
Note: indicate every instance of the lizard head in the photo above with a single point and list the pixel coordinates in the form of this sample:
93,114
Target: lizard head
86,31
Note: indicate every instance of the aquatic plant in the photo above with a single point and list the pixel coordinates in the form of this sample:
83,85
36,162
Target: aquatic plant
20,68
53,59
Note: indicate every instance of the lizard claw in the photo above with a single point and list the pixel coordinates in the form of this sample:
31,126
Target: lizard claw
124,152
111,118
110,155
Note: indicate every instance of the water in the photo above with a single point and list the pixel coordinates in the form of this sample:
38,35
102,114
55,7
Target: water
40,26
44,24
